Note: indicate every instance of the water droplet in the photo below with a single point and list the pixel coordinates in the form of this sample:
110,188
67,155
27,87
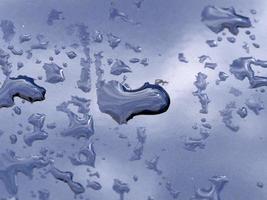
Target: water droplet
53,15
217,185
149,99
113,40
227,116
241,68
217,19
23,87
37,121
182,58
119,67
8,30
67,177
54,73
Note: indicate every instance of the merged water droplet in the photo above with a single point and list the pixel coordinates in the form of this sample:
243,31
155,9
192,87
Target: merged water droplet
113,40
78,126
11,165
212,193
23,87
255,104
241,68
123,104
8,30
201,85
37,121
53,16
152,164
217,19
119,67
121,188
139,147
85,156
67,177
227,116
54,73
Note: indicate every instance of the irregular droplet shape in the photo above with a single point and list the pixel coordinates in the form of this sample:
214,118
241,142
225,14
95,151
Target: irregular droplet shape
37,121
212,43
51,125
20,65
17,110
85,156
241,68
6,66
222,77
15,51
203,58
138,3
192,144
84,83
217,19
54,73
85,78
174,193
242,112
78,126
67,177
25,38
23,87
29,54
260,184
144,61
255,104
120,188
182,58
94,185
135,48
42,44
234,91
8,30
212,193
71,54
97,36
114,13
43,194
11,165
53,15
210,65
201,85
161,82
123,104
139,147
119,67
152,164
227,116
113,40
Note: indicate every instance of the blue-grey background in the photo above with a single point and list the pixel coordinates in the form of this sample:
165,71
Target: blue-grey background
167,28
